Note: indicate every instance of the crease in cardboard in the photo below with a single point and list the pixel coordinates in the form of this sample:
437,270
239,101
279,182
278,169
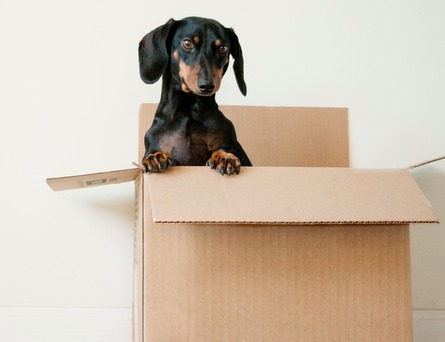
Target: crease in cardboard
302,223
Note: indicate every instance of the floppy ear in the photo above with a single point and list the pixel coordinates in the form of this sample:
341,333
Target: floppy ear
238,63
153,54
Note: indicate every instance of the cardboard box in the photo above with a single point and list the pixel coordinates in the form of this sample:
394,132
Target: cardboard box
318,252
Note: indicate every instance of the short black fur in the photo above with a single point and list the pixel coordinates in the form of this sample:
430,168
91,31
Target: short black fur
191,55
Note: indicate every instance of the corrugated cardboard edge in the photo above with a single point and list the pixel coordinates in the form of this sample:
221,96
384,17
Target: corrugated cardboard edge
309,223
93,179
138,264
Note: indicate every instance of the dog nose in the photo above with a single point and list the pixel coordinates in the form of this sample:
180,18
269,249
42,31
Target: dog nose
206,87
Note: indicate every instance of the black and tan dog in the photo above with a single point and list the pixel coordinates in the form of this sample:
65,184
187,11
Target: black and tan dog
192,56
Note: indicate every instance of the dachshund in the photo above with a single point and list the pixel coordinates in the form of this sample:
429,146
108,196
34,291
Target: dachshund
188,129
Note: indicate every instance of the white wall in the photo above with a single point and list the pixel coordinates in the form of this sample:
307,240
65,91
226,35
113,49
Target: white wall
69,97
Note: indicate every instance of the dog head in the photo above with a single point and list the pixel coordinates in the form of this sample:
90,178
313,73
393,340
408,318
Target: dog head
195,51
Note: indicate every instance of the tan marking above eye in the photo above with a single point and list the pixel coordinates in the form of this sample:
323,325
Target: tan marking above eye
218,42
176,55
196,40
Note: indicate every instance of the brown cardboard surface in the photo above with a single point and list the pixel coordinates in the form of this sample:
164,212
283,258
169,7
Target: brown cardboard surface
281,136
276,283
287,195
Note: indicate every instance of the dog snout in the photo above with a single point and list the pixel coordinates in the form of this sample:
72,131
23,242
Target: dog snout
206,87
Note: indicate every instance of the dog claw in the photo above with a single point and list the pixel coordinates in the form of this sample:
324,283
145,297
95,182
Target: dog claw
157,162
224,163
211,164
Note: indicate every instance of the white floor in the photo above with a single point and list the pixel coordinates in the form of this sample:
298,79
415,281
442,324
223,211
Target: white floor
429,326
65,325
114,325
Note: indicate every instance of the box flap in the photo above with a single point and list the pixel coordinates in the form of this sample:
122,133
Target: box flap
281,136
287,195
93,179
426,162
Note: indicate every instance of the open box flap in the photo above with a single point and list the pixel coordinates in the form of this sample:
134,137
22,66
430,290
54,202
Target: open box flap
93,179
287,195
281,136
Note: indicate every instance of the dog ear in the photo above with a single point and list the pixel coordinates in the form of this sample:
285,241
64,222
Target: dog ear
153,54
238,61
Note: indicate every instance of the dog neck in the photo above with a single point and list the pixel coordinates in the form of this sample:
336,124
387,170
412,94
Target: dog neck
174,101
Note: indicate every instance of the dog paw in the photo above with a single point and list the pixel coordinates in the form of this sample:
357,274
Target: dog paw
157,162
224,162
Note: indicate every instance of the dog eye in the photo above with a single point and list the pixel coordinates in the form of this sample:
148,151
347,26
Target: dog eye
222,50
187,44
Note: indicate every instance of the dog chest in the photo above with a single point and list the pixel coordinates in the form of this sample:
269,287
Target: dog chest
188,144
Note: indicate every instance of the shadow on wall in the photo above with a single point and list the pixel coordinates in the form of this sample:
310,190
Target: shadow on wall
113,202
428,242
431,179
